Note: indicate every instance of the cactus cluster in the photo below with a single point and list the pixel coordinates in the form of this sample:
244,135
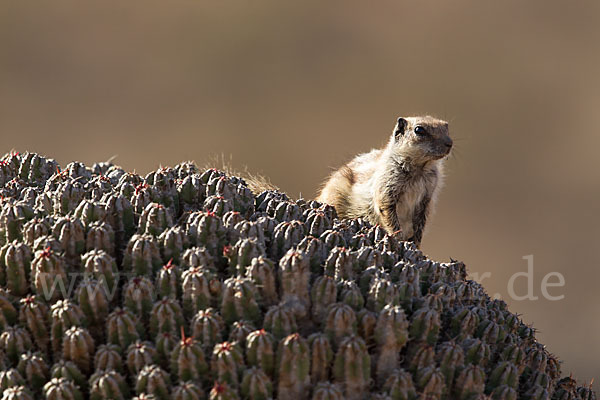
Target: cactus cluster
185,285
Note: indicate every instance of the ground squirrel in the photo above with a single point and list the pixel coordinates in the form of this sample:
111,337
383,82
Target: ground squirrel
396,186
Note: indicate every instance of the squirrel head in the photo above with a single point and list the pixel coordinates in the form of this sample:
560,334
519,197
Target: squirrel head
420,139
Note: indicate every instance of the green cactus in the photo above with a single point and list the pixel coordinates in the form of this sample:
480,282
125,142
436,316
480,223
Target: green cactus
340,264
93,298
187,391
230,221
450,357
35,228
191,192
100,236
138,297
505,373
241,254
339,323
122,328
504,393
49,276
222,391
168,281
207,229
9,378
103,267
239,301
420,356
138,355
292,370
218,205
119,215
399,385
153,380
286,235
61,388
15,341
155,219
260,351
463,323
476,352
166,316
283,210
198,257
367,320
256,385
198,288
187,360
13,216
368,257
207,327
316,251
243,229
381,320
108,385
332,239
349,293
425,325
294,276
8,312
165,343
47,242
34,369
69,371
34,315
539,393
586,392
280,321
78,346
490,332
7,172
391,334
538,378
142,255
323,295
430,381
17,393
321,354
239,330
227,363
327,391
268,225
163,181
173,242
141,196
99,184
89,211
318,222
352,367
470,382
70,232
108,357
262,272
15,267
382,292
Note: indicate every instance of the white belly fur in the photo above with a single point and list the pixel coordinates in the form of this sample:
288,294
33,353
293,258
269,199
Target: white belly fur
405,208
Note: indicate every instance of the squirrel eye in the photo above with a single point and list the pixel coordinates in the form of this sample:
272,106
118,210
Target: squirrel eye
419,130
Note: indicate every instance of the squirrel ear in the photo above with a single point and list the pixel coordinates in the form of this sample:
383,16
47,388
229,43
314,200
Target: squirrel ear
400,127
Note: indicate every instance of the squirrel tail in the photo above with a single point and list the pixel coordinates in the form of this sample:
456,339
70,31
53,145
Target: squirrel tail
256,182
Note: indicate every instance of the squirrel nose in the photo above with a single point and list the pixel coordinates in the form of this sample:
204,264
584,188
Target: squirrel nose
448,143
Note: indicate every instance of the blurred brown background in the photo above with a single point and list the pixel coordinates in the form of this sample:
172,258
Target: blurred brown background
294,89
